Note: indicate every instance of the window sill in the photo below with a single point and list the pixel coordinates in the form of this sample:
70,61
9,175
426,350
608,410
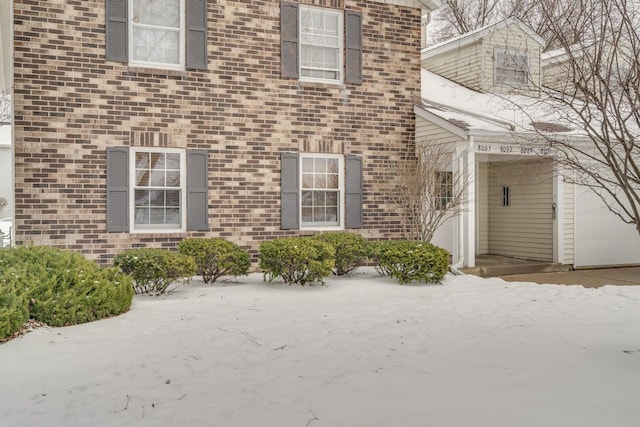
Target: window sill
157,71
158,231
304,84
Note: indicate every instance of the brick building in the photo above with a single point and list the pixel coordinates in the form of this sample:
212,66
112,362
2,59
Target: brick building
143,122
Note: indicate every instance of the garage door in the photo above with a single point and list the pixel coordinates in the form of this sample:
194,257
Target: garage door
601,237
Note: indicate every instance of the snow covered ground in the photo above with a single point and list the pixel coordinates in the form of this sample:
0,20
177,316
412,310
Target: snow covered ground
362,351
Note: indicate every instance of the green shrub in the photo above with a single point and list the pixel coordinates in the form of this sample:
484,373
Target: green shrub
298,260
153,270
215,258
62,287
13,310
407,260
351,250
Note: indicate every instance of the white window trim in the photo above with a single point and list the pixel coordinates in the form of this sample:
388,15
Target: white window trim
181,42
340,68
132,186
508,51
341,191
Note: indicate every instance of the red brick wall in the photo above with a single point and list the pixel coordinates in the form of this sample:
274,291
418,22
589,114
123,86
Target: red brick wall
70,104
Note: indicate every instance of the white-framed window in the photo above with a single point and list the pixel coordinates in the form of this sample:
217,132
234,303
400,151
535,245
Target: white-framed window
321,44
511,67
158,189
322,190
157,33
444,189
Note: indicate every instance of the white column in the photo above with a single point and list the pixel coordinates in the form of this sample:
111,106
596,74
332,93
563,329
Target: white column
470,208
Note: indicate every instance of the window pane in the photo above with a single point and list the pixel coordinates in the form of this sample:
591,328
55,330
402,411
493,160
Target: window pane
141,198
307,165
156,216
332,181
173,161
319,198
173,216
172,198
157,178
307,198
142,178
157,12
173,179
156,198
332,198
307,214
142,216
321,165
142,160
320,181
307,180
331,214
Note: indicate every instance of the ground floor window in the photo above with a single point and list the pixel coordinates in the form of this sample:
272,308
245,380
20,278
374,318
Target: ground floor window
322,189
158,189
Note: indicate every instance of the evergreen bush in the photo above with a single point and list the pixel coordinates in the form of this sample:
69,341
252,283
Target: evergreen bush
62,287
215,258
351,250
13,310
153,270
297,260
409,261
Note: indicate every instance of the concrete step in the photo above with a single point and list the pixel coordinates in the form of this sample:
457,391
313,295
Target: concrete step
508,269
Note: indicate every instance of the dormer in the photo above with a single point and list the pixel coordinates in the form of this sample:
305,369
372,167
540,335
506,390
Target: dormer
500,58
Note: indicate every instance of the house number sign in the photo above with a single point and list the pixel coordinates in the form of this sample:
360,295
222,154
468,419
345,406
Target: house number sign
510,149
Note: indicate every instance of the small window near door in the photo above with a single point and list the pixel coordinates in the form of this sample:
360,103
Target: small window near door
506,196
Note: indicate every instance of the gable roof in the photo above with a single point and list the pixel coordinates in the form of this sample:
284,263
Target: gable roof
478,34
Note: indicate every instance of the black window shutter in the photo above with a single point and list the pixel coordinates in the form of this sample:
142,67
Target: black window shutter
289,39
197,34
353,47
197,190
117,189
289,191
117,31
353,196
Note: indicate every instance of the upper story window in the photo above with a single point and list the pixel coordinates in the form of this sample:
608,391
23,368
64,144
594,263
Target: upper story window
321,44
511,67
157,33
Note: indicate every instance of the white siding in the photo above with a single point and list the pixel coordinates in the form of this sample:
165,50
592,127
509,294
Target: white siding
427,132
525,228
482,206
460,65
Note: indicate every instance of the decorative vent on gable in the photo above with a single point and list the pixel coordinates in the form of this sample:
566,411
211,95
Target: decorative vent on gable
550,127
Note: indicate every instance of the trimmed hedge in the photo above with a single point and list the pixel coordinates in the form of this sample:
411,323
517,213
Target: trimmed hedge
58,287
298,260
153,270
409,261
350,250
215,257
